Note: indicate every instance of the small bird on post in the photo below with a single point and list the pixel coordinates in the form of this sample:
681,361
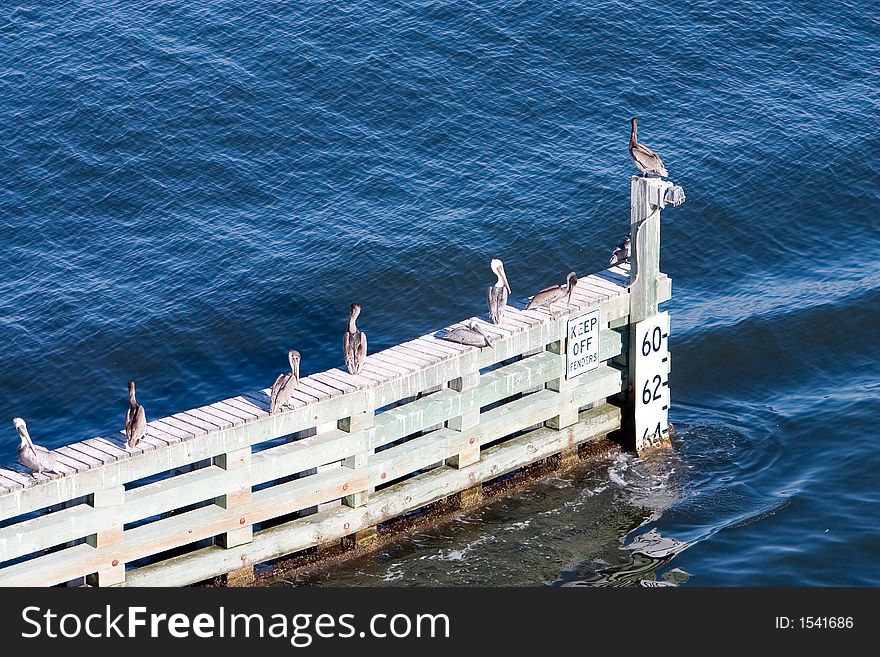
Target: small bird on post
622,251
470,334
285,384
646,160
36,457
497,294
354,344
549,295
135,419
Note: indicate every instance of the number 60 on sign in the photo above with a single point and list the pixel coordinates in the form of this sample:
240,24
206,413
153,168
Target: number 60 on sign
651,380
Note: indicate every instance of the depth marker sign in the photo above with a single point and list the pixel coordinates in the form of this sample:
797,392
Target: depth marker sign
651,381
582,345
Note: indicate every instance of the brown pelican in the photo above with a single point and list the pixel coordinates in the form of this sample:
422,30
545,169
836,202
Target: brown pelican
35,457
285,383
354,344
135,419
621,252
470,334
643,157
555,293
497,294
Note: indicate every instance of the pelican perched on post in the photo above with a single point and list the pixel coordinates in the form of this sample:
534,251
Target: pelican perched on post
285,383
469,334
35,457
643,157
555,293
354,344
497,294
135,419
622,251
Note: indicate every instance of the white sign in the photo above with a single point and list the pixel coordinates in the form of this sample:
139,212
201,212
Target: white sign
582,344
651,380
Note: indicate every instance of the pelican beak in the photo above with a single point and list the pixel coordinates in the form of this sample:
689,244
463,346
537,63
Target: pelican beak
504,278
481,332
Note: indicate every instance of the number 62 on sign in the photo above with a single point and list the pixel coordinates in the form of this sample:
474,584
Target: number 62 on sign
651,380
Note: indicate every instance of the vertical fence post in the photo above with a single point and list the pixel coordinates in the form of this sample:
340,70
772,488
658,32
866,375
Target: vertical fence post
350,425
368,536
115,571
644,272
239,458
471,454
467,420
568,412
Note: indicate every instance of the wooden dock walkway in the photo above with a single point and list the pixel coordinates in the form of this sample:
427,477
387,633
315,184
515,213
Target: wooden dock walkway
217,489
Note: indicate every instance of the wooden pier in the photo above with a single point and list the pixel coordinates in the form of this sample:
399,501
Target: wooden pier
213,491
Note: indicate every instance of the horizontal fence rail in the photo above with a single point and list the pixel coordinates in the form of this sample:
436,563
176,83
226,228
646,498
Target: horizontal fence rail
219,488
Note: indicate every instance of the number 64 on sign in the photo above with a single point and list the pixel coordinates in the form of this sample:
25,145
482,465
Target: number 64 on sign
651,380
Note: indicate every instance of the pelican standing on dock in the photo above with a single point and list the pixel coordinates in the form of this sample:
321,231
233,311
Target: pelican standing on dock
469,334
646,160
135,419
285,384
497,294
549,295
622,251
354,344
35,457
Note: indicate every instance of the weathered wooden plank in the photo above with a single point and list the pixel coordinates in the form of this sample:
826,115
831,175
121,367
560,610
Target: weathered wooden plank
159,434
235,411
245,404
260,399
18,478
329,381
87,447
602,283
95,457
418,453
192,423
516,322
408,362
383,368
422,349
373,370
8,486
315,389
67,464
441,406
177,429
314,386
308,453
421,356
214,418
32,479
453,348
112,449
85,460
353,380
613,277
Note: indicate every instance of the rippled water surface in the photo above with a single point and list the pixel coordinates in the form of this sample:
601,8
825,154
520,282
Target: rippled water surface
189,189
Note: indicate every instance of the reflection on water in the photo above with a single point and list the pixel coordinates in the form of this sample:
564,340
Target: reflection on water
563,530
621,521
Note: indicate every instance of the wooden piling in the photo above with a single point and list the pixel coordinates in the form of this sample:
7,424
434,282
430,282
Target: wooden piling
645,295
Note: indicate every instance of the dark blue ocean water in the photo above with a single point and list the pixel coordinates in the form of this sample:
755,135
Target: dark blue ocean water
189,189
